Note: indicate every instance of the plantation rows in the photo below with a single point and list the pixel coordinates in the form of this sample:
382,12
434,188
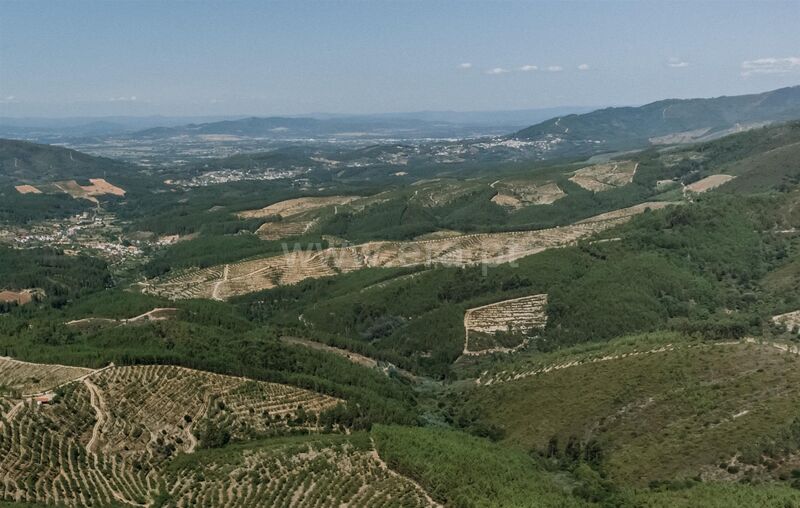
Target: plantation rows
341,475
28,378
43,458
157,406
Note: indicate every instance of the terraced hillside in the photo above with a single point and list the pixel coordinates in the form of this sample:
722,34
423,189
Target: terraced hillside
108,437
327,472
221,282
25,378
517,316
655,407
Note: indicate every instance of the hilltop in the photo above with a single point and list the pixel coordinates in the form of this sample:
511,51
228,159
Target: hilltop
666,121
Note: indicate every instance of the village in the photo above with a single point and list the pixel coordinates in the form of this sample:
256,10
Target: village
93,231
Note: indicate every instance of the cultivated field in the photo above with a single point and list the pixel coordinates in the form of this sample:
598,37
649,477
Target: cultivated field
606,176
518,316
27,189
708,183
790,320
517,194
221,282
96,187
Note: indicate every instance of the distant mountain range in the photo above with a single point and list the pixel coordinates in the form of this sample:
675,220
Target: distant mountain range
407,125
666,122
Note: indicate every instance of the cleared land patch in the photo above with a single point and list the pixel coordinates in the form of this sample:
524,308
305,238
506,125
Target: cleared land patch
606,176
25,378
97,187
518,194
295,216
221,282
708,183
20,297
297,206
27,189
790,321
516,316
157,314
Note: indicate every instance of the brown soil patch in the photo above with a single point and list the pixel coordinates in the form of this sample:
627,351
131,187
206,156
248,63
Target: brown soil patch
19,297
101,187
27,189
708,183
98,187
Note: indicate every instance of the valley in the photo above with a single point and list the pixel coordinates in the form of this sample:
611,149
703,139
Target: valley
597,310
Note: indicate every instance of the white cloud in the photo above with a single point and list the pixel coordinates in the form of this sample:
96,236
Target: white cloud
497,70
583,67
677,63
132,98
555,68
528,68
771,66
8,99
465,65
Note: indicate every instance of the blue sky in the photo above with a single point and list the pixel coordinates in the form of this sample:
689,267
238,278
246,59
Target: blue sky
211,58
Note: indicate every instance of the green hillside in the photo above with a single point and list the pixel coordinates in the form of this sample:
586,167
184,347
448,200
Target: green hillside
24,162
628,127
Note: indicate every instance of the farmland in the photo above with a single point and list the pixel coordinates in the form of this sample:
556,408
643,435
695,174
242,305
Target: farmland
96,187
222,282
708,183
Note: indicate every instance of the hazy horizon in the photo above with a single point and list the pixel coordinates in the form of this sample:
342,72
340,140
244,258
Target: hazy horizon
99,59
